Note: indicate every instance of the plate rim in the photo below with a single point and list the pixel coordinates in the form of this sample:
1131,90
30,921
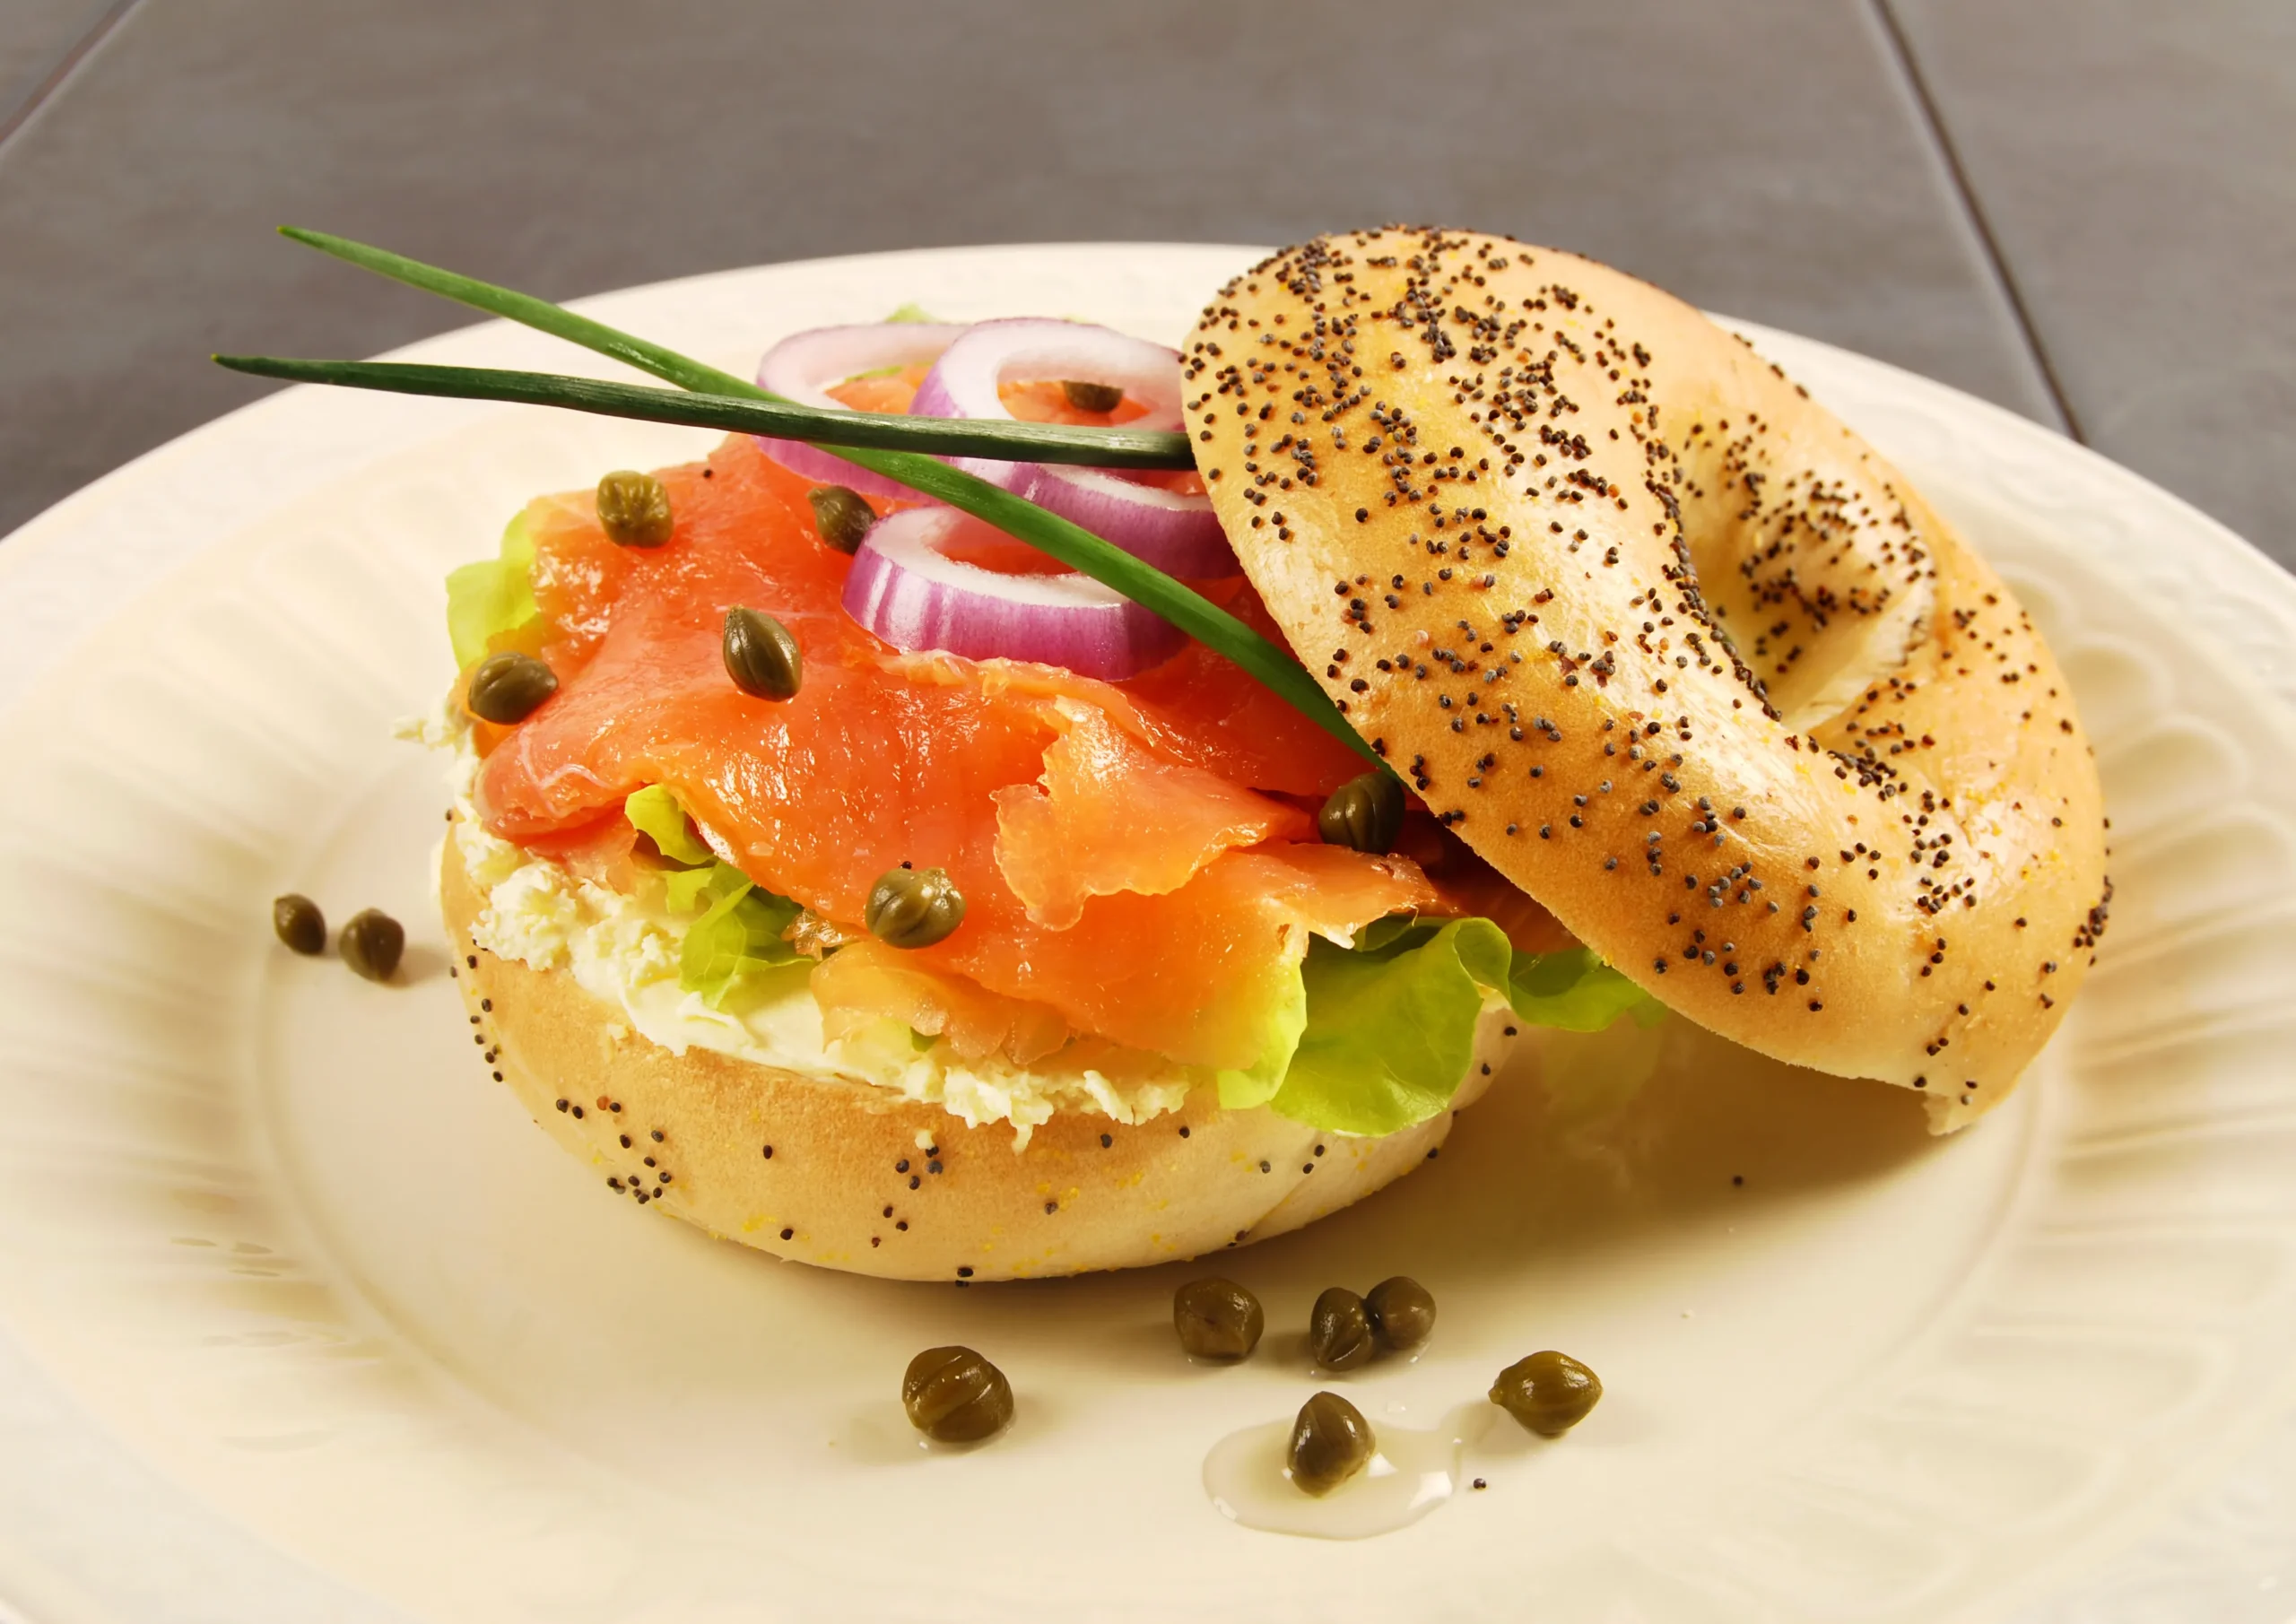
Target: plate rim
76,523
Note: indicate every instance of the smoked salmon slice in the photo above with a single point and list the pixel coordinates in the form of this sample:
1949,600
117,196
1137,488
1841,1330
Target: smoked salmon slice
1109,815
1134,856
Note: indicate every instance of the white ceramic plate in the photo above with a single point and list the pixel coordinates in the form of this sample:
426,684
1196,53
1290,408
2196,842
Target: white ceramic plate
300,1317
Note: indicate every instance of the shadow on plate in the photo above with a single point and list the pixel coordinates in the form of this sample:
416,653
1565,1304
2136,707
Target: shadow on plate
1586,1148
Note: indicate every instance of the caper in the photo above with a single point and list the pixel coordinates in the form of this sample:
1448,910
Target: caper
1091,397
760,656
1216,1319
1401,1310
507,688
1331,1442
1365,813
842,516
1339,1331
297,921
955,1395
1548,1392
634,509
371,943
913,907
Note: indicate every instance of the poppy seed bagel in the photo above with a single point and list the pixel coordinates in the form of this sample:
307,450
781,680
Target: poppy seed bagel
1666,644
851,1176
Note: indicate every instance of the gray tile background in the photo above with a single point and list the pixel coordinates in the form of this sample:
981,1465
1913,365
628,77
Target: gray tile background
38,39
2078,208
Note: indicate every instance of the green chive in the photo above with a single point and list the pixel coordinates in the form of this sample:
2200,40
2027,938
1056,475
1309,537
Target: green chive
891,431
1049,533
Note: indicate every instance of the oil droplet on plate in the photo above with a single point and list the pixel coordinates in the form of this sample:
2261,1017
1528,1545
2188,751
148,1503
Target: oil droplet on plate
1412,1471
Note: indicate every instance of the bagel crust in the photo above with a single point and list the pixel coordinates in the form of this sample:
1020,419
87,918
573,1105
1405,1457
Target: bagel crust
1668,644
850,1176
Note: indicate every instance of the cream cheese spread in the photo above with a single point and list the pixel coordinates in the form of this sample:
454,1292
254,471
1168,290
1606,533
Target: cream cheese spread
623,950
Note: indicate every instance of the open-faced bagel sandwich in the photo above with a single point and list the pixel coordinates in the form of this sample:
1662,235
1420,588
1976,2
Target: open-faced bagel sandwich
844,883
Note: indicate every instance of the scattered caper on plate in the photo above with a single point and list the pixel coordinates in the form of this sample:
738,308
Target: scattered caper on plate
1091,397
1364,814
634,509
842,515
297,921
509,687
913,907
1331,1442
955,1396
1339,1330
1548,1392
1402,1311
371,943
1216,1319
760,656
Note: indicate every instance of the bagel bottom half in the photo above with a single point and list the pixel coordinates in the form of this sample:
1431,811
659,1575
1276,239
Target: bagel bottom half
848,1175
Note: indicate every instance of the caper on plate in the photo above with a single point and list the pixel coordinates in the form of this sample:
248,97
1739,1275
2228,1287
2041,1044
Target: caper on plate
1216,1319
953,1395
1402,1311
1339,1330
371,943
1548,1392
1330,1442
296,920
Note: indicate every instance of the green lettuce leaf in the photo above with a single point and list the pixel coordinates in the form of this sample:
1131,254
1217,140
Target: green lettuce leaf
1286,1022
1391,1026
1577,991
654,812
731,950
1408,929
492,596
1390,1023
691,890
734,951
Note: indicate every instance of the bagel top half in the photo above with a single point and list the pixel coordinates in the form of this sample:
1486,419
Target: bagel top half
1665,643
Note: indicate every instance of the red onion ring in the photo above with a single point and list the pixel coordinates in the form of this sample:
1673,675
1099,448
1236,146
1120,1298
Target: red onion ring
1179,534
903,588
804,366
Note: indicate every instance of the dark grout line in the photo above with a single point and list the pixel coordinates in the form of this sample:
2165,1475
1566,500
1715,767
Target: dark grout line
36,93
1995,259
